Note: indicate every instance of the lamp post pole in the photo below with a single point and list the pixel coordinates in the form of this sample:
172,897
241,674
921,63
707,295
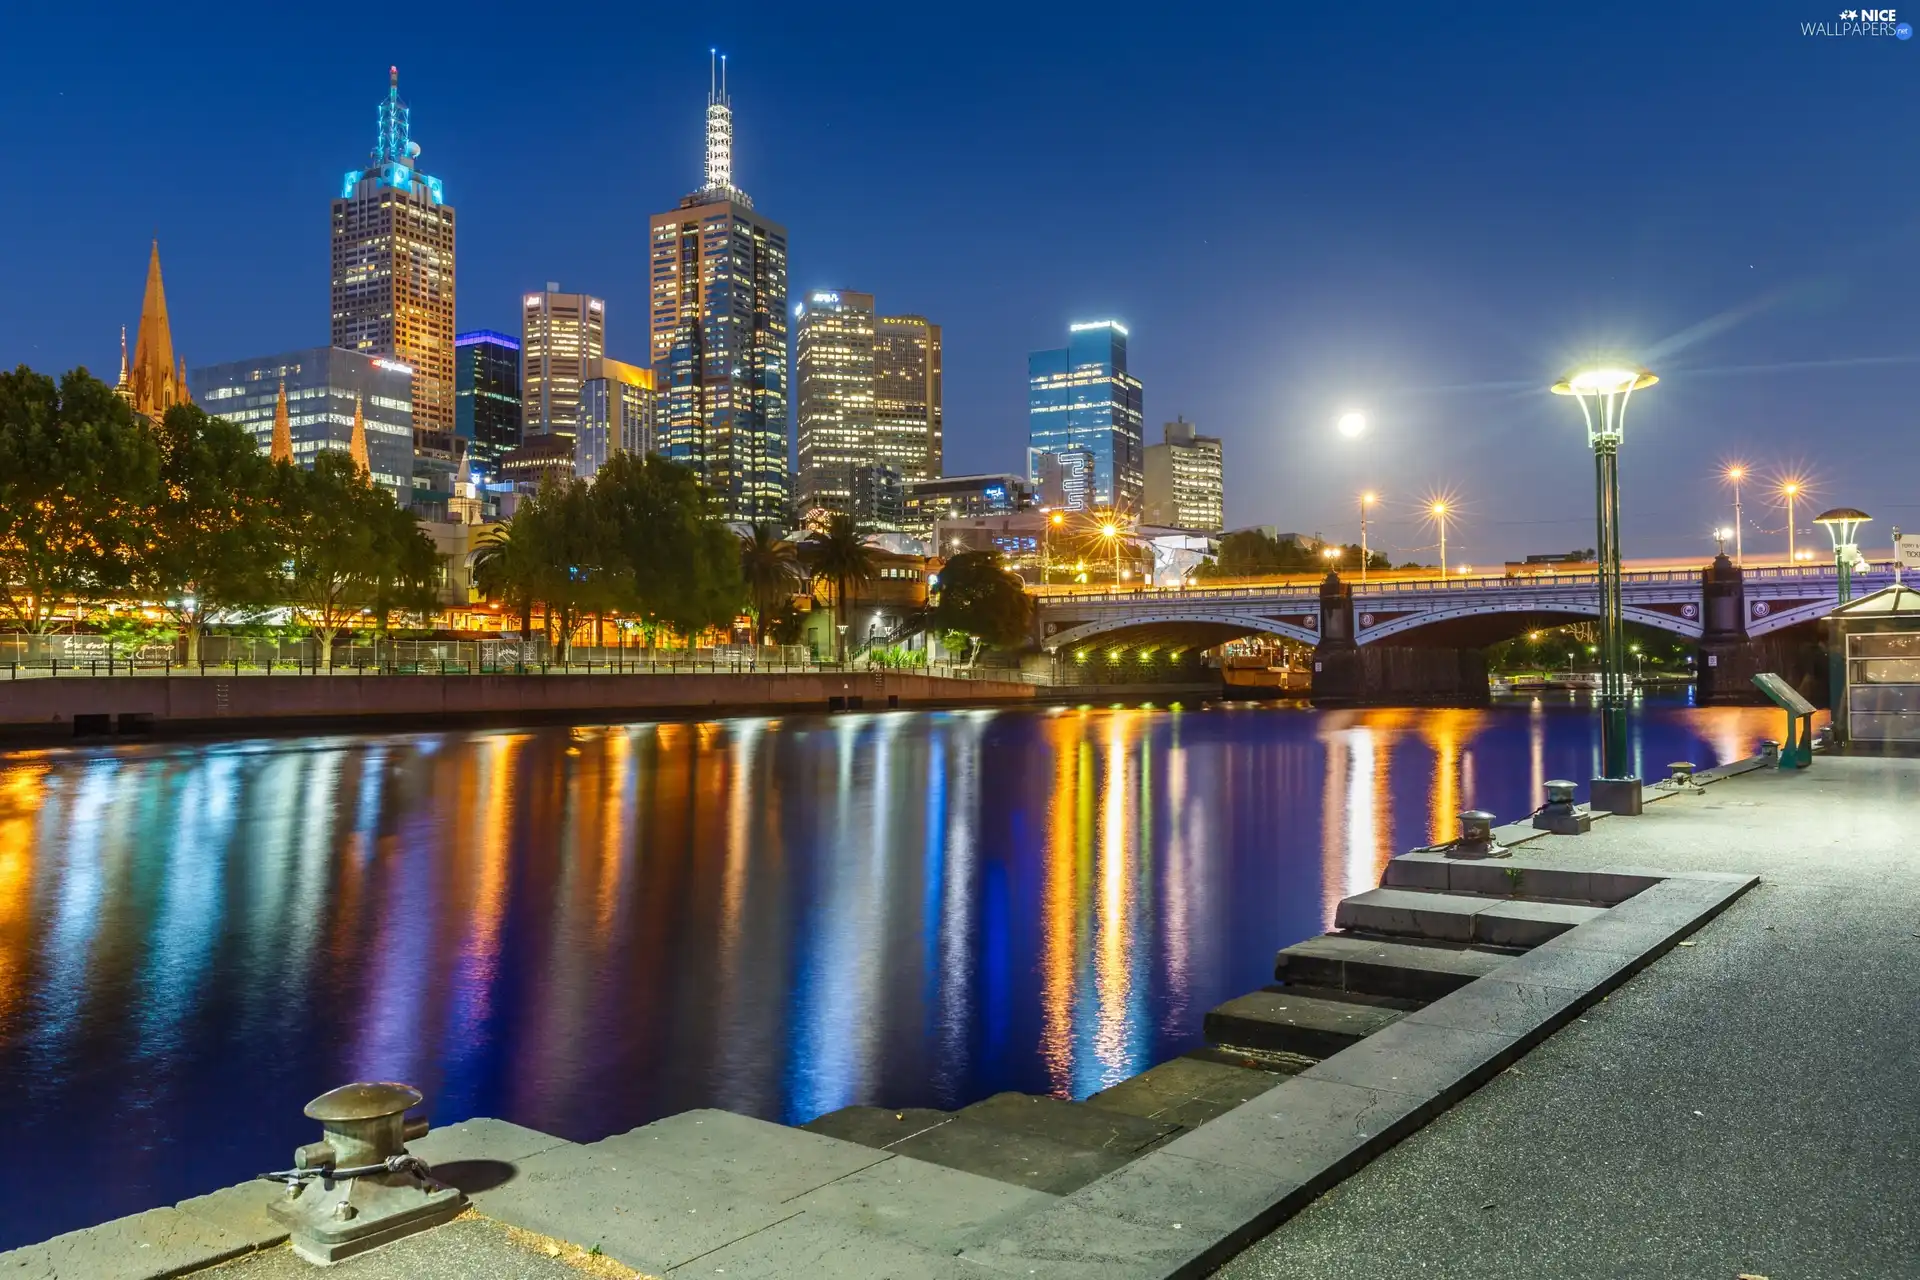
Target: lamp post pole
1843,526
1737,474
1791,490
1603,394
1365,498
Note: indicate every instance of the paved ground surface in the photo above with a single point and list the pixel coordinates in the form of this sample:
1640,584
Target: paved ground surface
465,1249
1749,1104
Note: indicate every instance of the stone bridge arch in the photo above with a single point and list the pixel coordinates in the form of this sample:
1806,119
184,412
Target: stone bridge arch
1195,629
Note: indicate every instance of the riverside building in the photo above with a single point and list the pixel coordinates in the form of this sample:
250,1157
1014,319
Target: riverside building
1080,398
1185,480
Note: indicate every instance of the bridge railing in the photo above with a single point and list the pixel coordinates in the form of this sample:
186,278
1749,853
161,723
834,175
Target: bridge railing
1428,586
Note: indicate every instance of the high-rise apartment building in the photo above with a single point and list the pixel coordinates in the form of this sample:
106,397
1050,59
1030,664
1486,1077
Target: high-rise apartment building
486,396
393,280
561,334
617,403
718,279
907,429
1185,480
320,388
1081,397
833,373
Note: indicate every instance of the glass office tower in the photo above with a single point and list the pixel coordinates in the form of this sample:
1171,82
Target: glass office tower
1081,397
486,396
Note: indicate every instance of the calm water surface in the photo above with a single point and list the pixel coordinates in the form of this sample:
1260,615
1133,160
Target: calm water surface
583,930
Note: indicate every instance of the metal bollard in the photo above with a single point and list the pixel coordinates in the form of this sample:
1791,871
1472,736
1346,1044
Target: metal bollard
1476,836
1559,814
358,1187
1769,751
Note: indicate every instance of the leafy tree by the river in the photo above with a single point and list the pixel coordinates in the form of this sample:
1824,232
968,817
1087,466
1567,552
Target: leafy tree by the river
215,544
346,544
770,570
981,600
1249,553
77,472
504,570
677,562
838,553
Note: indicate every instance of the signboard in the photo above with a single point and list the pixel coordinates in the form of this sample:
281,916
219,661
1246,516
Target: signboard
1783,694
1906,550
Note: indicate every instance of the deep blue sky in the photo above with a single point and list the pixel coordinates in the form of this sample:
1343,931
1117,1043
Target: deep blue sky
1296,209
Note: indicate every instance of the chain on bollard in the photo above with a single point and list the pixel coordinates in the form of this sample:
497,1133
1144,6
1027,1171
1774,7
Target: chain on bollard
359,1186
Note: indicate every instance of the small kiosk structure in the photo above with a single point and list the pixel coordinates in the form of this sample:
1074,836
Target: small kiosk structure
1874,643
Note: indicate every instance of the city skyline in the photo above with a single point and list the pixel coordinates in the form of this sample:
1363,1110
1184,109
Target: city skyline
1774,321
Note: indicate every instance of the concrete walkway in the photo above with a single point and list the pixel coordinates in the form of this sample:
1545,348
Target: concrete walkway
1750,1104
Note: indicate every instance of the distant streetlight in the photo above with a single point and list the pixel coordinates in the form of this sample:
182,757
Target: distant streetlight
1331,555
1602,394
1790,489
1367,499
1439,513
1735,474
1351,424
1843,526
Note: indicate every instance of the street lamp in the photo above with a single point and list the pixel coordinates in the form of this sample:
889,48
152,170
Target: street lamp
1054,521
1366,500
1843,526
1790,490
1439,513
1351,424
1735,474
1603,394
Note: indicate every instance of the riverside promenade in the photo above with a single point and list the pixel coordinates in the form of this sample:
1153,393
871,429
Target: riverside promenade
1680,1044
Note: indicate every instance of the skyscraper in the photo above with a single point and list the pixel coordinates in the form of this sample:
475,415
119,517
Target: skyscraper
393,278
616,415
1185,485
486,397
833,367
907,429
320,389
1082,397
719,332
562,333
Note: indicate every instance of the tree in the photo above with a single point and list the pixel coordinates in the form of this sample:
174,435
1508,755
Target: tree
671,557
405,574
839,555
333,514
77,477
504,569
980,599
770,570
567,546
215,543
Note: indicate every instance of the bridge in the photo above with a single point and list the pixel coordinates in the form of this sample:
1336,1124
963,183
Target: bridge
1724,609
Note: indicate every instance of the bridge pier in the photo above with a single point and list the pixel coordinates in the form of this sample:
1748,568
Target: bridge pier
1728,658
1346,674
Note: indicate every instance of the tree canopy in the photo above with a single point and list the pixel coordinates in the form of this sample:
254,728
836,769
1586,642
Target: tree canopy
980,599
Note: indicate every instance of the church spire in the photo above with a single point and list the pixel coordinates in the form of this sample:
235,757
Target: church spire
152,383
282,432
121,386
357,444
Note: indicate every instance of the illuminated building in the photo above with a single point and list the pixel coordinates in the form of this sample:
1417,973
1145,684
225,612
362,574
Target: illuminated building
961,497
393,284
486,397
323,386
616,415
718,286
1185,485
833,370
537,456
1064,480
879,497
157,379
907,430
1081,396
562,333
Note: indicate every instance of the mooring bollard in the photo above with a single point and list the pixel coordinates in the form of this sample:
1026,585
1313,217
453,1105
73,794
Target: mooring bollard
1476,836
358,1187
1558,814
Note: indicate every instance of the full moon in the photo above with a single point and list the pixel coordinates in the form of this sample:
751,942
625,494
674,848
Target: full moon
1352,424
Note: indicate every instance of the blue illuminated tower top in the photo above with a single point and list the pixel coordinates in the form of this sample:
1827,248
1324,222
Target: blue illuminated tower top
394,150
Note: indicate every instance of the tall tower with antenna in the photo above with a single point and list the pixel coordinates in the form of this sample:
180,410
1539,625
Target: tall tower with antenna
719,330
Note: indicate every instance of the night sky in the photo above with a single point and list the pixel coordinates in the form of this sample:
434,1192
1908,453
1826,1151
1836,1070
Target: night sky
1423,212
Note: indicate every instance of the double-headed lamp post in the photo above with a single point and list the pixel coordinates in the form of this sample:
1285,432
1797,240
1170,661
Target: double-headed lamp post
1843,526
1603,393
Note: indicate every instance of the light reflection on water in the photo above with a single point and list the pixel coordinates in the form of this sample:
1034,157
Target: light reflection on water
585,929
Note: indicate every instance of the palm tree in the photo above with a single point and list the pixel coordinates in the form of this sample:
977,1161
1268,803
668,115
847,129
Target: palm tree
770,568
840,554
502,571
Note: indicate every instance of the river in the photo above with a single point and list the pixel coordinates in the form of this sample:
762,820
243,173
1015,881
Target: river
585,929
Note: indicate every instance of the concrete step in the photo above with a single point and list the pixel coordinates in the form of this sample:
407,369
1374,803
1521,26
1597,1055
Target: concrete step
1021,1159
1408,970
1311,1025
1449,917
1186,1091
1074,1123
879,1127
